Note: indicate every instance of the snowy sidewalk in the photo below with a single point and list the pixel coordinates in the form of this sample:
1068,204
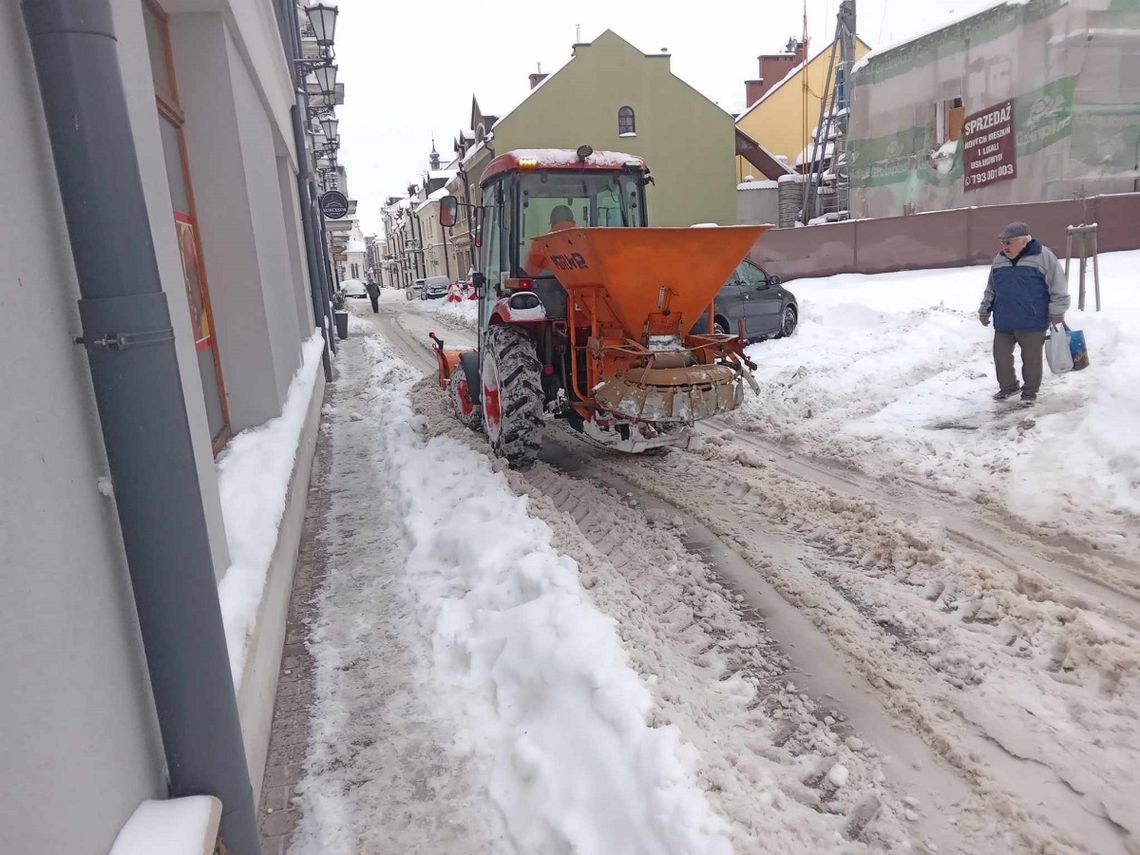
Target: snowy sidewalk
466,696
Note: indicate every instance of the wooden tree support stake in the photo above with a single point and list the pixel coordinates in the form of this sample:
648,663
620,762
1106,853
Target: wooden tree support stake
1086,235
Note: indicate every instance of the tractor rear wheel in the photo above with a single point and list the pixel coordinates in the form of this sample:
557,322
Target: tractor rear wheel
468,413
512,394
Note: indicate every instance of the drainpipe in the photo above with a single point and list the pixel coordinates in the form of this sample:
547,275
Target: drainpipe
301,98
331,282
135,376
326,251
315,289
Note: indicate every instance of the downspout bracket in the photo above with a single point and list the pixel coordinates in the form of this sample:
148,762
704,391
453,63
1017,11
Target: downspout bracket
121,341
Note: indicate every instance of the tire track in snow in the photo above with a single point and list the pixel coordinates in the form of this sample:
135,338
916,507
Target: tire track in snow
787,768
1001,671
986,673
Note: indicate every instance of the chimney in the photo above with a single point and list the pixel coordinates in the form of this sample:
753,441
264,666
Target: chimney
753,92
537,77
774,67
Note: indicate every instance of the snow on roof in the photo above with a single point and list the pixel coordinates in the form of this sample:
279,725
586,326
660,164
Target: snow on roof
446,174
757,185
569,157
435,196
555,158
943,24
475,149
805,157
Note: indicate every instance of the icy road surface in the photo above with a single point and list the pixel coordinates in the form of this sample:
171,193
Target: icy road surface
848,662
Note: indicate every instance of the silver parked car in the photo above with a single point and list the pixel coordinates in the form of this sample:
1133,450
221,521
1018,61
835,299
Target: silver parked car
435,287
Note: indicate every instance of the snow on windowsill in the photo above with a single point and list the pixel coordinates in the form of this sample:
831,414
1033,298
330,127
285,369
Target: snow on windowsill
183,826
628,134
253,480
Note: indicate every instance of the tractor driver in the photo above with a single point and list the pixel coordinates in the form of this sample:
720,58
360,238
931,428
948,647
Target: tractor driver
561,218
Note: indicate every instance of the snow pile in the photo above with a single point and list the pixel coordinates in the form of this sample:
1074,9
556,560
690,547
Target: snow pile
464,313
174,827
894,372
253,480
539,674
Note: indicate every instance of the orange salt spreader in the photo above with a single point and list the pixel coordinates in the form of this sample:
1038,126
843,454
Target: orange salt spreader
634,297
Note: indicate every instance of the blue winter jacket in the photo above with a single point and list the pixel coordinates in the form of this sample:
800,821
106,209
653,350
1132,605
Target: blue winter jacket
1023,293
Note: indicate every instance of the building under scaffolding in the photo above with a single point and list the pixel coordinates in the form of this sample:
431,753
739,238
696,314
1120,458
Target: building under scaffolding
1022,102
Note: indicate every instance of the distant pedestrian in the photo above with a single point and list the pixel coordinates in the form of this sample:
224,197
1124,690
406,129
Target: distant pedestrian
373,294
1027,290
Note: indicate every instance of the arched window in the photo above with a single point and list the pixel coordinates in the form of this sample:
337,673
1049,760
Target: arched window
625,121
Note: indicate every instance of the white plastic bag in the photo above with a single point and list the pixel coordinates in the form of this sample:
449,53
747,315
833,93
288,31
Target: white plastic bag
1057,352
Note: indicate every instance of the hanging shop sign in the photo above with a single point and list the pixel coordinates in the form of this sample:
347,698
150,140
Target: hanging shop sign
334,204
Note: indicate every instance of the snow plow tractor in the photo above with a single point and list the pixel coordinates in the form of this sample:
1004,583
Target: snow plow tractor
585,312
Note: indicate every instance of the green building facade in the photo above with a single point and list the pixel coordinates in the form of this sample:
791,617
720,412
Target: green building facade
613,97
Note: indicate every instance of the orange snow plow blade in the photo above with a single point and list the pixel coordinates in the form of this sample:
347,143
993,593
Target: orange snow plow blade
634,295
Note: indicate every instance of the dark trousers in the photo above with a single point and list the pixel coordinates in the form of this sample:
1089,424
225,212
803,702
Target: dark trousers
373,296
1032,343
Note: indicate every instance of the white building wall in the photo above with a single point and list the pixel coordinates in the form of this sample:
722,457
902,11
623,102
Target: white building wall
81,746
226,214
263,191
80,743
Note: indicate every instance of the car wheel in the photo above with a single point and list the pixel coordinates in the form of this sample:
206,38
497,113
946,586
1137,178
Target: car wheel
788,321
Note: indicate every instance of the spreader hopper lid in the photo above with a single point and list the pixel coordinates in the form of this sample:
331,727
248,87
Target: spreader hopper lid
633,264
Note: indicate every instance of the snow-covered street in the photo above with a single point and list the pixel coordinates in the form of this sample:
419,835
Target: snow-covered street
870,612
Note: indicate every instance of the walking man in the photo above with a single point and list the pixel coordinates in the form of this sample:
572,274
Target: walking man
373,290
1027,290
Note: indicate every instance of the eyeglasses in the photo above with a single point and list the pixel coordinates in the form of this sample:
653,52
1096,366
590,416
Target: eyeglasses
1008,242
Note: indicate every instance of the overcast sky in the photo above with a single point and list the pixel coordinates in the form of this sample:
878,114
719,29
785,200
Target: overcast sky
410,70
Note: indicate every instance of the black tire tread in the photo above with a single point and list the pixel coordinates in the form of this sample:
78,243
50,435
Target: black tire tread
520,394
473,421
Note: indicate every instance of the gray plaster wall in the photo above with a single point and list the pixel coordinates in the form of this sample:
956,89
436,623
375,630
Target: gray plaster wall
80,743
251,240
759,205
298,261
217,167
263,190
134,59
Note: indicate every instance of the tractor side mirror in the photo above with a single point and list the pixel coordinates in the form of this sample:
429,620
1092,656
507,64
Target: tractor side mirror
480,282
448,211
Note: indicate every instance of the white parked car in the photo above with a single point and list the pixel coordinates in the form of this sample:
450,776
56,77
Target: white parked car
413,291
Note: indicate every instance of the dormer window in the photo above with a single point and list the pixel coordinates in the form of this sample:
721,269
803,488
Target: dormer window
626,124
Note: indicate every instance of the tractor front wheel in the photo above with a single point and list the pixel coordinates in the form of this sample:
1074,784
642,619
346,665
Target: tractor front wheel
468,413
512,394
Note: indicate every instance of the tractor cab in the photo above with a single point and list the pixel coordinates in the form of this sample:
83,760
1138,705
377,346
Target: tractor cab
531,192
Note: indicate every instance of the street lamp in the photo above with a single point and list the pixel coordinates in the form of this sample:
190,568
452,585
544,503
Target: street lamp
329,125
325,76
322,18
